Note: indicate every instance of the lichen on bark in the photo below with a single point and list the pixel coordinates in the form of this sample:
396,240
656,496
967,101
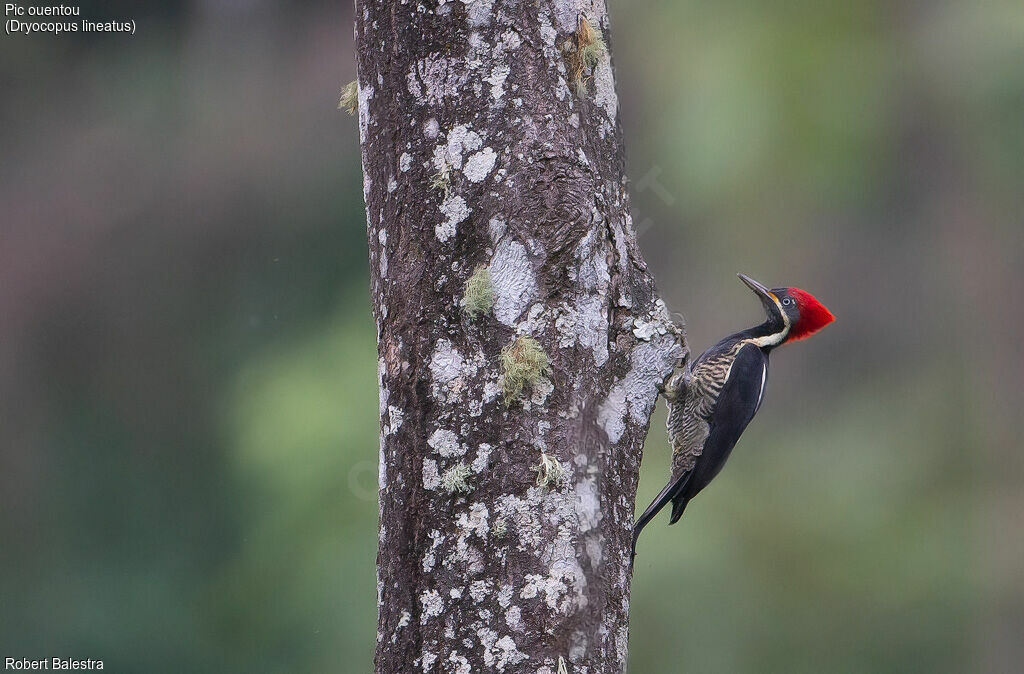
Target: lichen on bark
481,569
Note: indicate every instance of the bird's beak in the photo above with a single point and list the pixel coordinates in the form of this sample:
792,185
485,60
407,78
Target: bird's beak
765,295
756,287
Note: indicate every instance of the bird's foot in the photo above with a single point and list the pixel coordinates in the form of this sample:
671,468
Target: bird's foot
672,387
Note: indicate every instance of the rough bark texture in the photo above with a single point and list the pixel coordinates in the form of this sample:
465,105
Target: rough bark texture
479,149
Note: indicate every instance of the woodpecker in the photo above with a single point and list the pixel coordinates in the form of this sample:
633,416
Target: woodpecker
712,399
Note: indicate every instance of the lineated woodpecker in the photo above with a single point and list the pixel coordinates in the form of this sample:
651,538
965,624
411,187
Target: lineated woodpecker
712,399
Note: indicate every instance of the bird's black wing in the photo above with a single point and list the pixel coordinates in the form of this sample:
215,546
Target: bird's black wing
736,405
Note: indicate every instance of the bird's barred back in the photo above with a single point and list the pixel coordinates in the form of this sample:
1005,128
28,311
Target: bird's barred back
688,415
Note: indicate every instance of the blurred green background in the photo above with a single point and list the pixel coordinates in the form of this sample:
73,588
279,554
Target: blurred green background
188,424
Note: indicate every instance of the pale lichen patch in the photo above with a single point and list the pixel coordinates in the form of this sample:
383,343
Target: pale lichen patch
594,273
505,595
510,40
460,664
460,140
479,12
515,285
591,326
431,128
588,504
432,605
541,390
475,522
497,79
645,330
537,320
478,590
451,372
365,94
395,418
562,589
431,478
483,457
429,557
632,397
499,652
455,210
412,83
446,363
611,415
514,618
547,31
492,388
496,229
446,443
479,165
604,88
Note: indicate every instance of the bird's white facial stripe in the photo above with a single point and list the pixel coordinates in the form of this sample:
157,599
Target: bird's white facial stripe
775,339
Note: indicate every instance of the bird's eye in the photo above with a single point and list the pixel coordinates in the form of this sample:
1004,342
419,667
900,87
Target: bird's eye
787,301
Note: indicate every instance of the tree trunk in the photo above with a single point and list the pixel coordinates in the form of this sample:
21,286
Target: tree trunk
513,406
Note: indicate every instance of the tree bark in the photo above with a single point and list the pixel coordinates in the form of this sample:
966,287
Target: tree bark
490,146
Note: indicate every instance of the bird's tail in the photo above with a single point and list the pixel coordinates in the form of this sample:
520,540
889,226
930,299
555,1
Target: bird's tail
671,490
678,506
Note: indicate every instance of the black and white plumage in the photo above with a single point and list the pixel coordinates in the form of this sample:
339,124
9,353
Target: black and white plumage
712,399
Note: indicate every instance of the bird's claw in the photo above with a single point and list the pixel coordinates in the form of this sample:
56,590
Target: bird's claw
671,388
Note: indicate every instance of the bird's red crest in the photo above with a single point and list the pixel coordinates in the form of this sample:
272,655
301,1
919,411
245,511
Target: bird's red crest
813,315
